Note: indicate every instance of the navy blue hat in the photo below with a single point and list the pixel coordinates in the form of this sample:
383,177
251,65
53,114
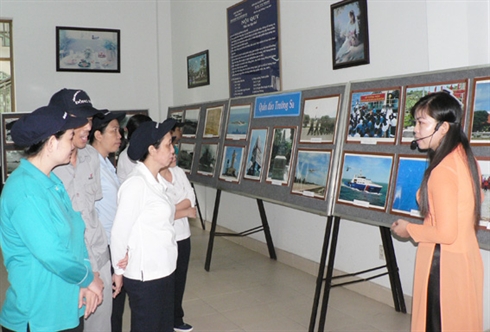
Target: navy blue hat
101,119
75,102
148,133
34,127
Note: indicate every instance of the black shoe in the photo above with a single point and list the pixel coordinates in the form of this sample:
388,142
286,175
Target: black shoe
183,328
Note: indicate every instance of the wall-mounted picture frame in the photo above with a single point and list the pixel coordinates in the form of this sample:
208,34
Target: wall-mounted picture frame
212,124
231,165
480,112
408,179
484,163
281,155
238,122
319,119
350,35
311,173
186,156
207,159
365,180
88,50
414,92
256,154
191,122
198,69
373,116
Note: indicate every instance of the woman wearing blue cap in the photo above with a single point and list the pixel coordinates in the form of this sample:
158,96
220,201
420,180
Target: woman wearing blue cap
52,286
143,228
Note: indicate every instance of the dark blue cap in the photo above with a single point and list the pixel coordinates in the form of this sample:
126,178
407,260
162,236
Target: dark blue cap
75,102
48,120
148,133
105,117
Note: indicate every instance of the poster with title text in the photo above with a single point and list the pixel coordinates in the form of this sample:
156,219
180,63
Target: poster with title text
253,47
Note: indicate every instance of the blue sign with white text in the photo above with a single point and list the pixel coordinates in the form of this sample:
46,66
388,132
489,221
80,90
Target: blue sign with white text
286,104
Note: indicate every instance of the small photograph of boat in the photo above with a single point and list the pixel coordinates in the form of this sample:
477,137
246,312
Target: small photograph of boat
365,180
361,183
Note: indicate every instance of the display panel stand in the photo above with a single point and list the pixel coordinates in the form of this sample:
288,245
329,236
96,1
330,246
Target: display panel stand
198,207
264,227
391,266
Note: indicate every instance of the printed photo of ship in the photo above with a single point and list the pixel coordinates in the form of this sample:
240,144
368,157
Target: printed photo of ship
365,180
238,122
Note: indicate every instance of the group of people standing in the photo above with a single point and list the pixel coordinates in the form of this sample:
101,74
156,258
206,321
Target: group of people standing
77,235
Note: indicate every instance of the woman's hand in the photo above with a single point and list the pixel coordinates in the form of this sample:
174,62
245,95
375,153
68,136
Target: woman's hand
123,262
89,299
97,286
191,212
399,228
117,283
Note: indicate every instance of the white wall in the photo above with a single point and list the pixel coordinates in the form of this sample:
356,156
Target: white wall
406,37
136,87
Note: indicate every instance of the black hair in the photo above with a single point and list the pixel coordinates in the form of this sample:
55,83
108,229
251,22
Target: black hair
134,122
444,107
36,148
102,128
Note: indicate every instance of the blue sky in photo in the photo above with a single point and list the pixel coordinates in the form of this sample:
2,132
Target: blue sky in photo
314,165
482,102
376,168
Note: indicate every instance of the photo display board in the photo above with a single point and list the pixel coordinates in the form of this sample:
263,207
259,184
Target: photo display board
345,151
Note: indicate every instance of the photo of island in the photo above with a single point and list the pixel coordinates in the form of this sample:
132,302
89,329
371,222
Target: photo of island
311,174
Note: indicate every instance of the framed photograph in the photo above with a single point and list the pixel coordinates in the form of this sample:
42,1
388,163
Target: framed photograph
256,154
191,122
310,177
408,179
238,122
198,69
231,166
207,159
212,124
373,116
350,36
365,180
414,93
480,112
319,119
11,160
484,163
281,156
8,120
186,156
88,50
177,115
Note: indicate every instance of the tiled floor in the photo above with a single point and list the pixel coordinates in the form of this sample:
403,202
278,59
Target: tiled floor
246,291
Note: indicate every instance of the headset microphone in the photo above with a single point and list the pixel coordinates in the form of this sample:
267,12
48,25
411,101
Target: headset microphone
414,145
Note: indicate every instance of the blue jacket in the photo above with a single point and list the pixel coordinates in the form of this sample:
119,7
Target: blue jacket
44,252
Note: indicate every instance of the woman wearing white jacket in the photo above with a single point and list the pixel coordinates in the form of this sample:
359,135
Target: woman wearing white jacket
144,228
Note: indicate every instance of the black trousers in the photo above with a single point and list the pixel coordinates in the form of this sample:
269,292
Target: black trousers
184,250
433,321
79,328
152,304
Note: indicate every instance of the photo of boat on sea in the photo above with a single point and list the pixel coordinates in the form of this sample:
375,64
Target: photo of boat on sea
365,180
238,122
408,179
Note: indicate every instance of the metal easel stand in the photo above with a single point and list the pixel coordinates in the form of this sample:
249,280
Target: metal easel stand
198,207
391,266
213,233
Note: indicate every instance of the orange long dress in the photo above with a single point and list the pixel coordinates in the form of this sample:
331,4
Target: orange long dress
450,223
